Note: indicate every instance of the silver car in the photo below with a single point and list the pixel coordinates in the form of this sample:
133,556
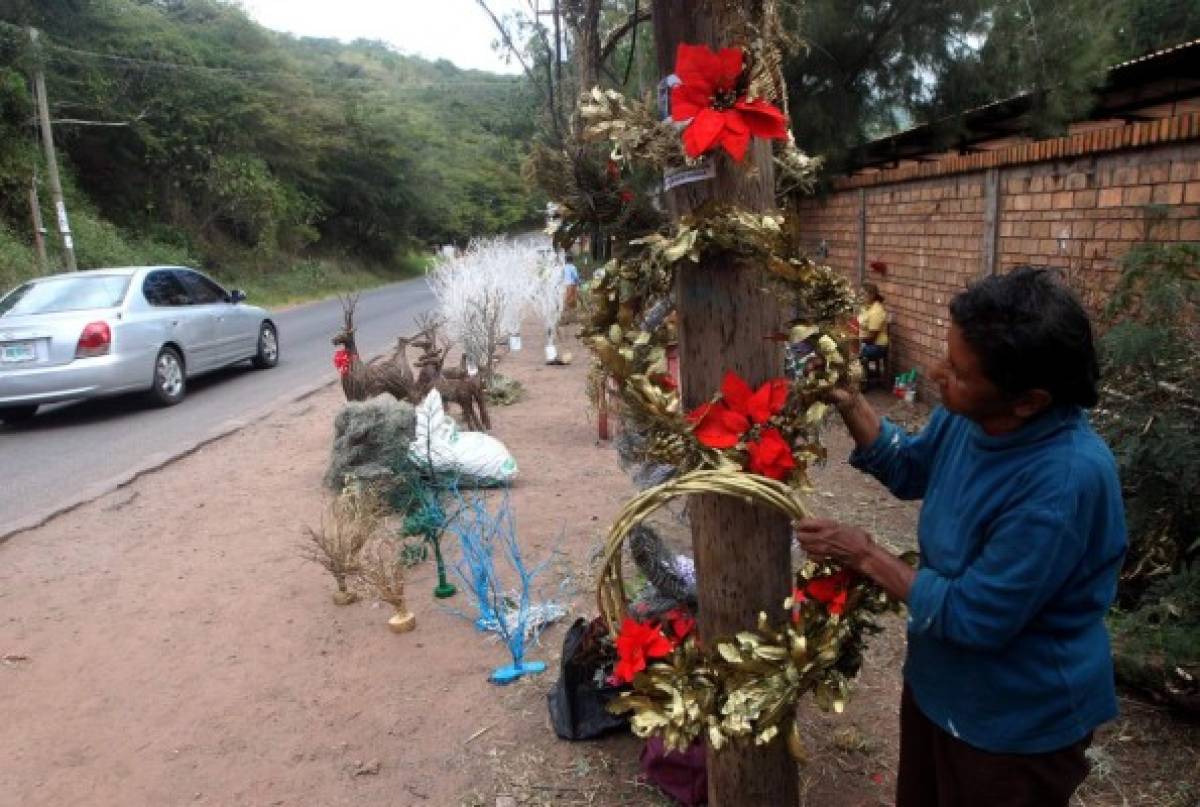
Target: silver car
111,331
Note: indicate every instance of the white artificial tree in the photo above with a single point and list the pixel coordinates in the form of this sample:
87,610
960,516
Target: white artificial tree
483,293
547,298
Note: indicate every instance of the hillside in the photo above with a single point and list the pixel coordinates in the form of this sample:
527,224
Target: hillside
187,132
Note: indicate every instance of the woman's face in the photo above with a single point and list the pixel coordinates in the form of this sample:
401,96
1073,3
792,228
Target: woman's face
964,388
870,294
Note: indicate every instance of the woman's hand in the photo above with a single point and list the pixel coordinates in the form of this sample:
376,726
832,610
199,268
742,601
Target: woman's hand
855,549
825,539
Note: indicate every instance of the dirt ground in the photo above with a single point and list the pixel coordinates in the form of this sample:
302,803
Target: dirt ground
166,645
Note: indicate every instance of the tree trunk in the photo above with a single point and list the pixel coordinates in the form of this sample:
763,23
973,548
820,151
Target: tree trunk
743,559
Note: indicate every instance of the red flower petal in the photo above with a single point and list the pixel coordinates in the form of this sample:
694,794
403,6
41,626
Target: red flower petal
703,132
735,137
681,621
736,392
696,65
779,394
763,119
687,100
728,67
718,426
770,456
635,643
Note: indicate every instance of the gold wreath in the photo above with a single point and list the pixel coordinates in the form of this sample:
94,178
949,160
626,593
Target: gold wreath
610,587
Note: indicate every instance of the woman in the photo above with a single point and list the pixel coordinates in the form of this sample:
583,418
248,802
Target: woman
1022,534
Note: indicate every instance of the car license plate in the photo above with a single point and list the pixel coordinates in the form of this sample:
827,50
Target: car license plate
15,352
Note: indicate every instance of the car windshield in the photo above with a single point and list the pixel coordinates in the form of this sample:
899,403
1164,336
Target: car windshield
65,294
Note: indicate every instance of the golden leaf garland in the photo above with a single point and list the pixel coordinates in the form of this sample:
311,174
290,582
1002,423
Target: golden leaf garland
745,688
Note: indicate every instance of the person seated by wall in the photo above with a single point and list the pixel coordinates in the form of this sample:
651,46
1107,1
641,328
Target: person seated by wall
873,330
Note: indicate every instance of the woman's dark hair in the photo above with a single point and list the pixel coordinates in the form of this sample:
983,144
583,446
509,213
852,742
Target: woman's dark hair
871,288
1030,332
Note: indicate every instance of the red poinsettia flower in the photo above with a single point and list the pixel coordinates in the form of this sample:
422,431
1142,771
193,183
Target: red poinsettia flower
707,95
637,642
722,424
770,455
341,360
830,591
682,623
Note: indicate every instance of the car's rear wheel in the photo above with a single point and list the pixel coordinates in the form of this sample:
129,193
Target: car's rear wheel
170,383
268,347
17,414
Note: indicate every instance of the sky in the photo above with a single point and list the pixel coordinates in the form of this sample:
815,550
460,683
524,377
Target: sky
456,30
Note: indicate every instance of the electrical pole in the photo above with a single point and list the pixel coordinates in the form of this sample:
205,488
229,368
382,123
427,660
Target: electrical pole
60,207
743,552
39,230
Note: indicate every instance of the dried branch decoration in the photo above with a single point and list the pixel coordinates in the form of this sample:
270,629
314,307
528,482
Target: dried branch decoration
353,518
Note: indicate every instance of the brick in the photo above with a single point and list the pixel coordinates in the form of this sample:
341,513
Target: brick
1111,197
1063,200
1191,193
1084,199
1024,201
1042,201
1181,171
1076,181
1189,230
1154,173
1039,229
1132,230
1136,196
1083,229
1125,176
1169,194
1037,184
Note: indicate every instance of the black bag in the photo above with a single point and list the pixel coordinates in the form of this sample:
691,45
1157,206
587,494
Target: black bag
579,697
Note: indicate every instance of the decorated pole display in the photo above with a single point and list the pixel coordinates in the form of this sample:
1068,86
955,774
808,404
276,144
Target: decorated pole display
742,552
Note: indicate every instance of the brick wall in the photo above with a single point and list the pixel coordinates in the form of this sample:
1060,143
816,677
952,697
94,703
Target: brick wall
939,226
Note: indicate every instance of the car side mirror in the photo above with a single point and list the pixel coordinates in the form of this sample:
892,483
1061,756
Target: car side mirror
236,296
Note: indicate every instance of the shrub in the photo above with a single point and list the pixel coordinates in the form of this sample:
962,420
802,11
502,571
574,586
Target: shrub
1150,407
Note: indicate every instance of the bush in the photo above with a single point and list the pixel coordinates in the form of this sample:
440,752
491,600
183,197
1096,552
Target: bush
17,261
1150,408
1157,647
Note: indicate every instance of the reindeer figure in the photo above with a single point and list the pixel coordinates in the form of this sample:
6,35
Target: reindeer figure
362,381
467,391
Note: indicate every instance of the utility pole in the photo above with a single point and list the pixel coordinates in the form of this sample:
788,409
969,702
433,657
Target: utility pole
60,207
39,230
743,553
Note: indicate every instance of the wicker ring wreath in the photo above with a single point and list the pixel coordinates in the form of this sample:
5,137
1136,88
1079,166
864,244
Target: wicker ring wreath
610,588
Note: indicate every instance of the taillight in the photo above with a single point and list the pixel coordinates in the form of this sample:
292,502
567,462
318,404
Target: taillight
95,340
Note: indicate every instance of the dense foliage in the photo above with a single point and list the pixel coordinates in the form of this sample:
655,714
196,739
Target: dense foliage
1150,411
872,67
235,143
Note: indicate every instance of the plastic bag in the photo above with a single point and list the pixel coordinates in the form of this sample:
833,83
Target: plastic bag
580,696
471,456
682,775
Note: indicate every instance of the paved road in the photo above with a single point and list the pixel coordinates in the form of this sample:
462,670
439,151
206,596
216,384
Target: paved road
72,451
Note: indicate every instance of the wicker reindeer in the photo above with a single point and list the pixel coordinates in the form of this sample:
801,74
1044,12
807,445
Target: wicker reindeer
467,391
362,381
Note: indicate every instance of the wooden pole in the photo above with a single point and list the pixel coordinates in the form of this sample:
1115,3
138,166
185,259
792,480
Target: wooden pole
743,557
39,229
56,193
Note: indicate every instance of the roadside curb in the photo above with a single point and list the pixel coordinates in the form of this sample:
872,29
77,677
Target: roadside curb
158,461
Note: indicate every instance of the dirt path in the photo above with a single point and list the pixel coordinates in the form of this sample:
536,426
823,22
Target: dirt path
165,645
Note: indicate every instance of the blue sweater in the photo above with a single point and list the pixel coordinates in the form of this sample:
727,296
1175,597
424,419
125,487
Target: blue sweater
1022,537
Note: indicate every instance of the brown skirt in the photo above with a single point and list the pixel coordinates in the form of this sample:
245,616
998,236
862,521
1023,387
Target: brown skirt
937,770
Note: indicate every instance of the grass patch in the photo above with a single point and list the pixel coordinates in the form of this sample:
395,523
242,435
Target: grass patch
307,280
